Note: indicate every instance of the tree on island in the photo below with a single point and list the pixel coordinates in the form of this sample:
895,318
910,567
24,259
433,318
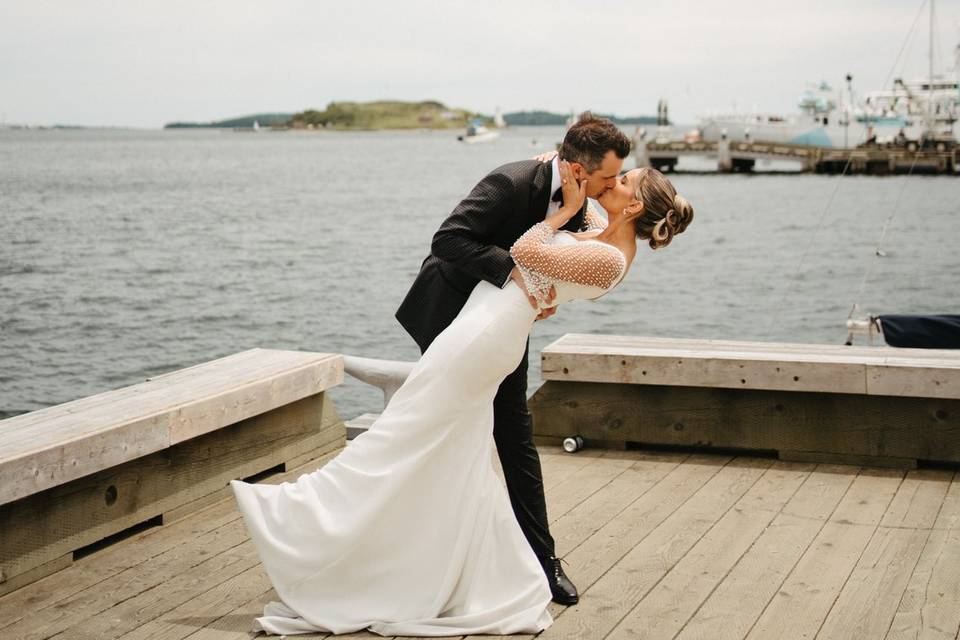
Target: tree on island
383,114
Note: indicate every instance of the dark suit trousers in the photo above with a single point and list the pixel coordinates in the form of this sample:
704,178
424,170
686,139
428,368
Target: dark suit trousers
513,434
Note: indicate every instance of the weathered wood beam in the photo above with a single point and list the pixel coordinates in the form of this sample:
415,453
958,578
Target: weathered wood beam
880,430
41,533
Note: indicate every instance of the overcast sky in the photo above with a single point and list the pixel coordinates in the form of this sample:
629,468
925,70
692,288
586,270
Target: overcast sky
145,63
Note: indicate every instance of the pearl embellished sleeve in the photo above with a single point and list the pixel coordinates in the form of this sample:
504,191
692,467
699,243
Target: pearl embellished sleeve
594,220
541,264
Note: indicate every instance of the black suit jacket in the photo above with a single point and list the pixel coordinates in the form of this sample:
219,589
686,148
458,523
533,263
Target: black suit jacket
473,244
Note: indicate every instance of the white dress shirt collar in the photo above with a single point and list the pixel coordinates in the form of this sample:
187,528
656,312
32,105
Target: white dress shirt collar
555,176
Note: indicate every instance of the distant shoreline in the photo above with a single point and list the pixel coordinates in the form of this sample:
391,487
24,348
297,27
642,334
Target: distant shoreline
389,115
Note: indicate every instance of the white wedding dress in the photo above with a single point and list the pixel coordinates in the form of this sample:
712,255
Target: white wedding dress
409,530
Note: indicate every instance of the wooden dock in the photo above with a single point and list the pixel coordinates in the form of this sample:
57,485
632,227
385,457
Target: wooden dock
661,545
117,521
739,156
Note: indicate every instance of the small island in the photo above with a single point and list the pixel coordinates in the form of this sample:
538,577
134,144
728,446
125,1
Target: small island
351,116
384,114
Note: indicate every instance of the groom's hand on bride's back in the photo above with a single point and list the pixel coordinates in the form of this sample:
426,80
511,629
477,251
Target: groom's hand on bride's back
546,313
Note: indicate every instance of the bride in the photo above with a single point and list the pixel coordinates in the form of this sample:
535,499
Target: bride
409,530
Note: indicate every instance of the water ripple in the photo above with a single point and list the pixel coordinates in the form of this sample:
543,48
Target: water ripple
126,264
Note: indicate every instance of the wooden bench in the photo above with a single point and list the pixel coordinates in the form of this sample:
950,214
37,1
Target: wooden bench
76,473
879,406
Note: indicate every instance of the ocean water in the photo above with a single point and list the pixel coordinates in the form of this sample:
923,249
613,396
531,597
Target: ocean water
125,254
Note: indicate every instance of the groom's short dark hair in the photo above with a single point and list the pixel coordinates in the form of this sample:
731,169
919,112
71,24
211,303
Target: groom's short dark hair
589,139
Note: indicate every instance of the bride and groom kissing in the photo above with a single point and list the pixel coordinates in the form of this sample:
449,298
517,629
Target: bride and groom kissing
408,530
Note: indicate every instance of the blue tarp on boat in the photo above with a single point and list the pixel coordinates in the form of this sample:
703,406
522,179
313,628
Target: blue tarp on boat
924,332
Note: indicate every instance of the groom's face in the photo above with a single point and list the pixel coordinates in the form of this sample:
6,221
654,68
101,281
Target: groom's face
605,177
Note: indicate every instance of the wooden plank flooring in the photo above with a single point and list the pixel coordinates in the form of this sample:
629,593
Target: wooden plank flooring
661,545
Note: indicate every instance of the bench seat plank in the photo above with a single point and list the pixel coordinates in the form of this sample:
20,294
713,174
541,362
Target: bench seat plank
52,446
933,373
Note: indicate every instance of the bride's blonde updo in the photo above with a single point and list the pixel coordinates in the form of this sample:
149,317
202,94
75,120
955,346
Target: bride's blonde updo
665,212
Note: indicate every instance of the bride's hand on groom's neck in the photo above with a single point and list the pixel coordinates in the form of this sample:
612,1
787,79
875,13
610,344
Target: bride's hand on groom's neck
574,195
546,156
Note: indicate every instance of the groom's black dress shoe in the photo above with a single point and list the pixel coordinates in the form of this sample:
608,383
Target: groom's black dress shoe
563,590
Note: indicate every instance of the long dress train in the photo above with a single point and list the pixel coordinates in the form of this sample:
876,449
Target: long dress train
409,530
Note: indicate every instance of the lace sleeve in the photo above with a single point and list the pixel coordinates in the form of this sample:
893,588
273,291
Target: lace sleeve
588,263
594,220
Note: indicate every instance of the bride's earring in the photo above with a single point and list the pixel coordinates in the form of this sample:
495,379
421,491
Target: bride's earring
633,210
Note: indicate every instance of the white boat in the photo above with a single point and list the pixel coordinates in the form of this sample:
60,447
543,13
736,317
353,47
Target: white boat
926,107
498,120
477,132
254,128
924,103
819,123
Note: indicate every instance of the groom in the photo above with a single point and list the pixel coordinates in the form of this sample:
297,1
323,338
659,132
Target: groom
471,245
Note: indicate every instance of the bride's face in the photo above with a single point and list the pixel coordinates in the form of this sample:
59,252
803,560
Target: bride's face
616,199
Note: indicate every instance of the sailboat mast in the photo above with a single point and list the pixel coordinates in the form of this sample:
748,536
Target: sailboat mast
930,79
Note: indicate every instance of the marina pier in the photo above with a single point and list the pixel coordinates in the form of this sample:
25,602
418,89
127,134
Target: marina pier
742,156
769,490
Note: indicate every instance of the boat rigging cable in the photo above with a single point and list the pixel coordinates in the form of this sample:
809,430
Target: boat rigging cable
803,256
878,250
